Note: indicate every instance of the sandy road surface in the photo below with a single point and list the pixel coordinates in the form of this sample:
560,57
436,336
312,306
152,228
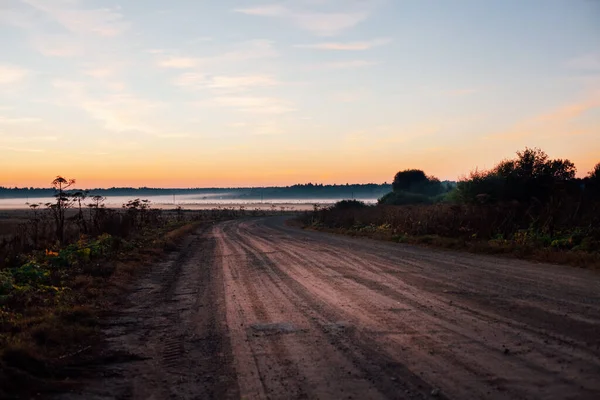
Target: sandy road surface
255,309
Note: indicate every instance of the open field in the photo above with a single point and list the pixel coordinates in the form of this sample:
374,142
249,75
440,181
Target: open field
15,209
9,205
250,206
257,309
12,218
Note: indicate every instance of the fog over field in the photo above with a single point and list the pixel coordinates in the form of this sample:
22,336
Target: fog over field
191,201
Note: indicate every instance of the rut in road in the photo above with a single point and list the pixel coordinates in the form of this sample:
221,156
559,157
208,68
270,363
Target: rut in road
256,309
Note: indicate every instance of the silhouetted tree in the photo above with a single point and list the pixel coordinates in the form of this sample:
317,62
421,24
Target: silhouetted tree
534,164
416,181
35,222
97,210
78,197
63,202
531,175
138,210
594,174
407,179
592,183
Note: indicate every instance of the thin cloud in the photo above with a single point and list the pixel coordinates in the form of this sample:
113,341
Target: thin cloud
27,139
249,50
15,121
156,51
190,79
122,113
11,74
118,112
225,82
13,16
349,46
179,62
273,10
325,24
203,39
317,22
254,105
261,129
99,73
348,96
571,111
268,129
172,135
242,81
101,21
57,45
237,125
461,92
352,64
22,149
552,123
589,61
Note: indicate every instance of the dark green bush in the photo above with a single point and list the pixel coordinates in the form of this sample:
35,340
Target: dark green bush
416,181
349,205
404,198
531,176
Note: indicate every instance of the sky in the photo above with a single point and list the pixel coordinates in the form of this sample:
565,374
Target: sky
199,93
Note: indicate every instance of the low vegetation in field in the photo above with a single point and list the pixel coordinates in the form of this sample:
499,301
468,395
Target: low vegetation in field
530,206
63,264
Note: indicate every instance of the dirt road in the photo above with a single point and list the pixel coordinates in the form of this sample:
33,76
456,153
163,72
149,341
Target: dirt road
255,309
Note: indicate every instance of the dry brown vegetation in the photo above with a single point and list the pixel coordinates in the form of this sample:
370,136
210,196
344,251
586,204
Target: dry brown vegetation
49,319
474,228
57,279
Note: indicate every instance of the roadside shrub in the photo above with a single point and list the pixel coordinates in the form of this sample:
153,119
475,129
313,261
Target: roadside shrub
588,244
6,283
30,274
594,174
416,181
349,205
499,223
404,198
592,182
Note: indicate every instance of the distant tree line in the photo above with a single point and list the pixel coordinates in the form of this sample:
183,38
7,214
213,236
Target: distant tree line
309,190
16,192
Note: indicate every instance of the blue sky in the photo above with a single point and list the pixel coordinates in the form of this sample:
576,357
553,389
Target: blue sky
220,93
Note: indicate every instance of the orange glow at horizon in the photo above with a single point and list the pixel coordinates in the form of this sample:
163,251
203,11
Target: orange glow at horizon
447,164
